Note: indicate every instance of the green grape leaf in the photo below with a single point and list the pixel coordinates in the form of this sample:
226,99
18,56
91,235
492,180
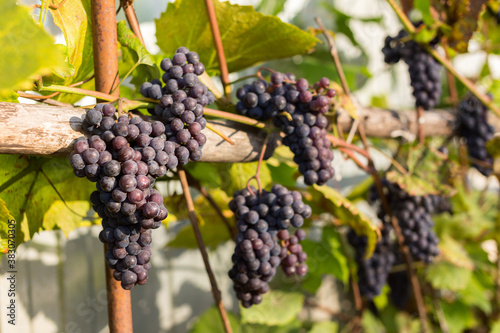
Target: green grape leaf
248,37
211,225
230,177
283,173
27,49
476,294
444,275
208,174
370,323
136,53
325,327
6,221
293,327
271,7
9,96
425,34
26,189
360,190
346,212
428,173
289,304
495,328
75,21
239,173
210,321
424,7
458,316
470,219
57,215
325,257
453,252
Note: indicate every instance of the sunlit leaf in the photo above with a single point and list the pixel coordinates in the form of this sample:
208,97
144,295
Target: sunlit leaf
210,321
288,303
26,51
136,53
346,212
248,37
27,192
428,173
325,257
271,7
444,275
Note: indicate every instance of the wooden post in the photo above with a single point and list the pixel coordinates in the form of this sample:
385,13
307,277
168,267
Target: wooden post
106,80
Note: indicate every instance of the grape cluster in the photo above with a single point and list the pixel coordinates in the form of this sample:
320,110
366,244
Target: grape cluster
423,68
414,215
257,251
181,102
305,132
475,129
373,271
292,256
124,160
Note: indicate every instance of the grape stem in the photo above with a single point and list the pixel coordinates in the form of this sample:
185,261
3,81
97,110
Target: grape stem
358,303
257,173
259,72
335,56
342,144
214,25
211,201
436,300
203,190
233,117
199,240
452,86
443,61
51,6
43,97
78,91
420,125
496,309
128,7
219,133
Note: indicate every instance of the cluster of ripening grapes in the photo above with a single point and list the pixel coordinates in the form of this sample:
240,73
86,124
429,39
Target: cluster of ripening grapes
476,131
181,101
414,215
124,157
373,271
299,111
263,242
423,68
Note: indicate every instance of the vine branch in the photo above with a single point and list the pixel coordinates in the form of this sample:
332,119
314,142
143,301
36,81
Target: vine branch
335,55
257,173
214,25
199,240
